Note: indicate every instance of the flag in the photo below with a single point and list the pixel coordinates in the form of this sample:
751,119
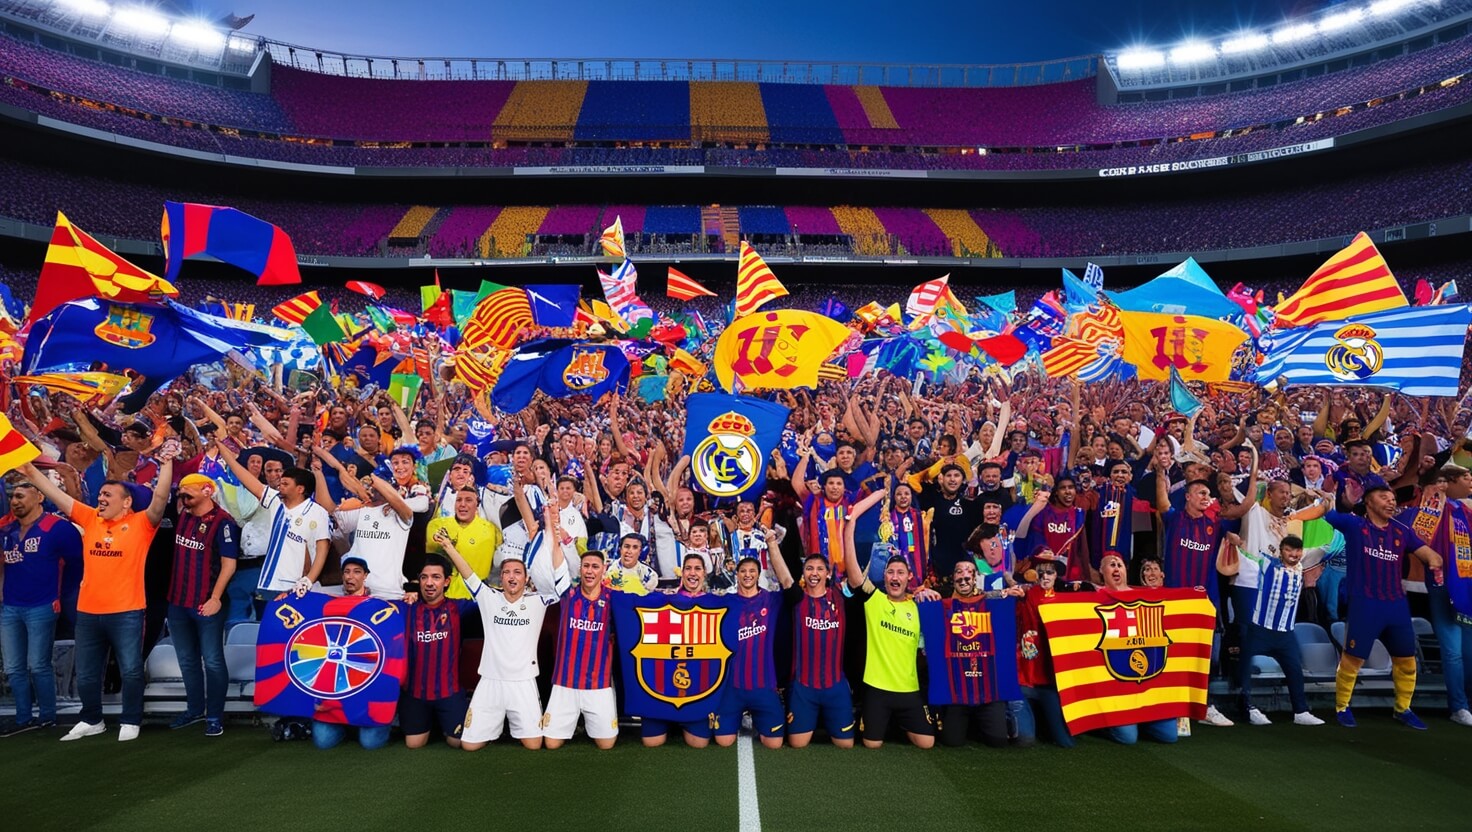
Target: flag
1005,303
1094,277
1201,349
404,389
836,309
78,266
479,375
776,350
230,236
1416,350
622,291
1182,400
84,387
1123,658
560,369
381,320
338,660
322,327
755,283
612,240
240,311
729,440
683,287
423,366
498,320
11,309
370,366
554,306
1355,281
1096,324
1067,356
674,653
462,304
297,309
684,362
15,449
363,287
971,652
920,305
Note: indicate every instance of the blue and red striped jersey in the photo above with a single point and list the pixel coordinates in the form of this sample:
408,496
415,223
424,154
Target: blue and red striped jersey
969,664
752,666
199,543
817,637
1374,555
1190,551
585,640
433,649
1111,525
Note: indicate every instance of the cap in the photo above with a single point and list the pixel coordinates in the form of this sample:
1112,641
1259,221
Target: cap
358,559
199,481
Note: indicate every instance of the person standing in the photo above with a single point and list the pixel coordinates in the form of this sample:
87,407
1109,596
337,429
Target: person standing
116,534
35,545
753,685
206,544
299,541
1445,523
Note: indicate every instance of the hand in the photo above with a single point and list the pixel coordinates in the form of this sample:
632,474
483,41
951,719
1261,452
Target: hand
56,606
927,594
1234,539
1434,561
1013,592
442,536
411,597
1041,497
210,607
303,585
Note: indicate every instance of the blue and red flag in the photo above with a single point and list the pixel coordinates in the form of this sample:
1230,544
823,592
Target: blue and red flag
230,236
332,659
676,654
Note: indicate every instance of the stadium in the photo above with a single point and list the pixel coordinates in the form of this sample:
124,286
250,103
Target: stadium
1249,158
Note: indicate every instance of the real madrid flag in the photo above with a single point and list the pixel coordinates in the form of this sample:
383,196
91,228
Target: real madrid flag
729,439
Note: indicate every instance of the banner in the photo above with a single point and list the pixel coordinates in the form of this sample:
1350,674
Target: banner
728,440
560,369
776,350
1200,349
675,651
971,650
332,659
1122,658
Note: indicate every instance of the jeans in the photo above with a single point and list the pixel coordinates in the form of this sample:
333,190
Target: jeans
1455,639
325,735
240,593
1260,641
26,637
123,632
1328,586
200,639
1049,711
1021,727
1161,730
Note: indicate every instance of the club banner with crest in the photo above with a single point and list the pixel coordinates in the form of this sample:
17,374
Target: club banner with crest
332,659
1123,658
675,652
729,440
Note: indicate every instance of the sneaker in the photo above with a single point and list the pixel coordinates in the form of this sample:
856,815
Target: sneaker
1463,717
127,733
13,728
1409,719
47,724
84,729
1216,718
186,720
1306,718
1345,717
213,728
1257,717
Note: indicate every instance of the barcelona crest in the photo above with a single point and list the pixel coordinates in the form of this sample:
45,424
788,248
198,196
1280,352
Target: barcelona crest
680,656
584,369
126,327
1134,642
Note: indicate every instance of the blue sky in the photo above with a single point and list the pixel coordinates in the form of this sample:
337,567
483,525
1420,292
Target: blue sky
859,30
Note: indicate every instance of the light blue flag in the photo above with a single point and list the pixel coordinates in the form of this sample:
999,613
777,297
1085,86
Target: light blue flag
1005,303
1183,288
1182,400
1077,295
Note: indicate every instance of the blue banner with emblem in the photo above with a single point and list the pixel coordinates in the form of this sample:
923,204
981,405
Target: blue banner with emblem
560,369
971,650
332,659
675,652
729,440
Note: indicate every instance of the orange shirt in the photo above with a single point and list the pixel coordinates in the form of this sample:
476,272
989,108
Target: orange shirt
113,554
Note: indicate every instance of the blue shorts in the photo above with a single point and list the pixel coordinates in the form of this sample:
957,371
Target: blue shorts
833,705
768,717
660,727
1389,621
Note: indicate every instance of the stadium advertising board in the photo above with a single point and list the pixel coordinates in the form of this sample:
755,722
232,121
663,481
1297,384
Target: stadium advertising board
1219,161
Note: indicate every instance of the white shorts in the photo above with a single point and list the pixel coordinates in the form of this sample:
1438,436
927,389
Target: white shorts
496,703
597,707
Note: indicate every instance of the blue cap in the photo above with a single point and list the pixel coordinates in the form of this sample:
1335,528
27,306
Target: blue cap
358,559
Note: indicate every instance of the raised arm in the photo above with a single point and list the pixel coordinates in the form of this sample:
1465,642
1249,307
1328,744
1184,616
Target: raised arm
851,568
247,479
442,537
160,501
394,499
1039,499
1379,419
43,483
1249,496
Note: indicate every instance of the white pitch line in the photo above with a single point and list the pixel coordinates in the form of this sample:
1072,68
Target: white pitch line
751,819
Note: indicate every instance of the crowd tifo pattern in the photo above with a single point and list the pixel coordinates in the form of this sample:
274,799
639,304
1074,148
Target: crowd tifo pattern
740,123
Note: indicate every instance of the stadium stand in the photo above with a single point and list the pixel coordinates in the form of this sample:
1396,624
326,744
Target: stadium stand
508,234
381,110
727,111
540,110
635,111
459,235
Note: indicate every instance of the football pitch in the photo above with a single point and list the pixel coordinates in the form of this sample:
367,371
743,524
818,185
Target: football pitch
1380,776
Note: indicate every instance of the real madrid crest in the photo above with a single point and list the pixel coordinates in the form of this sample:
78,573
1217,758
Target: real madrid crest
727,462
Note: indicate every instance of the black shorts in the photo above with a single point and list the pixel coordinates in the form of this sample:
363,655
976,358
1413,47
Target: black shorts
908,709
959,722
417,716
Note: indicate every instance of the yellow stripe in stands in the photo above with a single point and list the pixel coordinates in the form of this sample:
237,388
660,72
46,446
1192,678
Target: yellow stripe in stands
727,111
540,110
876,109
413,222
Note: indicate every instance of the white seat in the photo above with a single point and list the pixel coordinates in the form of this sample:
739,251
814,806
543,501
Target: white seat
241,661
165,680
1378,664
244,632
1266,667
1320,660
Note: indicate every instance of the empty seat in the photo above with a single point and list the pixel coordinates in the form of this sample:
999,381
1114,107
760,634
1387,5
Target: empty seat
1378,664
161,669
244,632
240,659
1266,667
1338,630
1320,661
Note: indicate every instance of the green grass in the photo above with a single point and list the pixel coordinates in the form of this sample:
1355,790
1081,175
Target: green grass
1380,776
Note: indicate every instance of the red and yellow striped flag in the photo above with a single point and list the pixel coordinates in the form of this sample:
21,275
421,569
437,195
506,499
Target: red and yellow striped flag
297,309
755,283
683,287
15,450
78,266
497,320
1122,658
1355,281
477,374
84,387
1068,356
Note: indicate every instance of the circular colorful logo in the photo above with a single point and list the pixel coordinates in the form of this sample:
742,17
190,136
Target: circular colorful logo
726,465
333,658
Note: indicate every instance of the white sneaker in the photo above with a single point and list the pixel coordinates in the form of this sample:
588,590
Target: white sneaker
84,729
127,733
1216,718
1463,717
1306,718
1257,717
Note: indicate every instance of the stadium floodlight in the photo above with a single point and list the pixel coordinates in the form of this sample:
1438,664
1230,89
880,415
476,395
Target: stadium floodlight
198,34
1245,42
1192,52
1289,34
1380,8
1335,22
1140,59
140,20
87,8
242,44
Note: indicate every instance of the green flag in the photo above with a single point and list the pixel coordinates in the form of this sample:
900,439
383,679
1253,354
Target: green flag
404,389
322,327
381,320
487,287
427,296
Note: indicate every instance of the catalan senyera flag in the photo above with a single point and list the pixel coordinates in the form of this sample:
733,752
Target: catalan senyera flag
683,287
78,266
1355,281
84,387
1067,356
479,374
1122,658
613,239
15,450
755,283
297,309
1199,348
498,320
